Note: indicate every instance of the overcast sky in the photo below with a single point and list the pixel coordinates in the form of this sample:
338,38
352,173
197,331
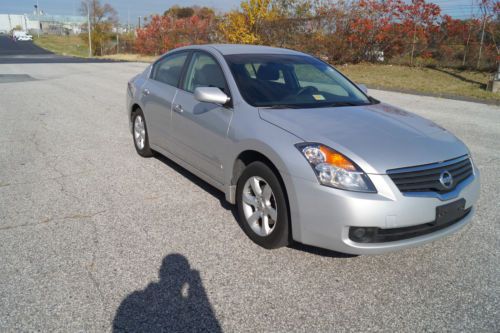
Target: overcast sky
455,8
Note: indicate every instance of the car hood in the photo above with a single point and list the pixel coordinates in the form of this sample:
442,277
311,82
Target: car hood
377,137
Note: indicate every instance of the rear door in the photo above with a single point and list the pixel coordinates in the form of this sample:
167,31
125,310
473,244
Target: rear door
158,93
200,129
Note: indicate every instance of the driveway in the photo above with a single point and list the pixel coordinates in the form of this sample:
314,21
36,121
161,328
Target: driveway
26,52
94,237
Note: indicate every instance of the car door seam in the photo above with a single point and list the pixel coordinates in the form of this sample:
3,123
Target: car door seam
172,107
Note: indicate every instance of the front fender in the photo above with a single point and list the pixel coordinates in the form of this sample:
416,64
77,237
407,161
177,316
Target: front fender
278,146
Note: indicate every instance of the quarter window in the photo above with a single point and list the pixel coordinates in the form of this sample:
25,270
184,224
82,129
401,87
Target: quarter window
168,70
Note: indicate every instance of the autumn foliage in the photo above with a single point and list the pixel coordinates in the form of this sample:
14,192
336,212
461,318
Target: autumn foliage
165,32
411,32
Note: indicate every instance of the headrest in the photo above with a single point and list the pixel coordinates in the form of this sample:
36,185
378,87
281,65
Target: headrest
209,74
268,72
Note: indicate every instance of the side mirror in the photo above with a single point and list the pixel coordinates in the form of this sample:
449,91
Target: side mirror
363,88
211,95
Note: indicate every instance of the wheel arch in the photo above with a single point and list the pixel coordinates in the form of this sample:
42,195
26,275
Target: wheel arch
245,158
133,109
249,156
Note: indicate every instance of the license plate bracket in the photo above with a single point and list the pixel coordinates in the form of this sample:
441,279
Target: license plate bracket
450,212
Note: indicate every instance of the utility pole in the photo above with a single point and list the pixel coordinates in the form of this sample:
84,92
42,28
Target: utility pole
89,28
128,19
38,18
481,43
139,22
470,32
484,10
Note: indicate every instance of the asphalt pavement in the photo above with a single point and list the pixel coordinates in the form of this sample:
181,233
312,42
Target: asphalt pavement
95,238
26,52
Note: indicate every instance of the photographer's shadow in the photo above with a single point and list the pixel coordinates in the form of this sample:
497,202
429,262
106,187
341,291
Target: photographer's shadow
177,303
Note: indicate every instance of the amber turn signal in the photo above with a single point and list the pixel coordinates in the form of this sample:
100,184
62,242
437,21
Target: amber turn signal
336,159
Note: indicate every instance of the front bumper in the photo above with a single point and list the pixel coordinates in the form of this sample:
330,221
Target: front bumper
321,216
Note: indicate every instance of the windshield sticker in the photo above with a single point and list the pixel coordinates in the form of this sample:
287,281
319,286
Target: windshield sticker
319,97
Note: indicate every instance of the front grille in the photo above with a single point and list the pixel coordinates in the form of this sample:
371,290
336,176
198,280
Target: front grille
425,178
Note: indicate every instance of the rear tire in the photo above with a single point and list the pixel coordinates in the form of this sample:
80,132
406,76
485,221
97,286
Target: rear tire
263,207
140,134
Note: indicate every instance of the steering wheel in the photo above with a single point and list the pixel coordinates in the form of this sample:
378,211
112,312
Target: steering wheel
308,89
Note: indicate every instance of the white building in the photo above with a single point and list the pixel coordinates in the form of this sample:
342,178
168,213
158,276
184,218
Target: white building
51,24
10,21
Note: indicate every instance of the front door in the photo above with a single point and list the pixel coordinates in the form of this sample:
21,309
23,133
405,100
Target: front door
200,129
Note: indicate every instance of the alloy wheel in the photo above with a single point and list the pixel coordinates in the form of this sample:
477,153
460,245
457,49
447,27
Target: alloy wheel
259,206
139,132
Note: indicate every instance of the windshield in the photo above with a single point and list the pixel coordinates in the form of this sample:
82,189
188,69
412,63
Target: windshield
291,81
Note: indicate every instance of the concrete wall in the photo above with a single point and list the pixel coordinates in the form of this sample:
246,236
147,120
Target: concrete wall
9,22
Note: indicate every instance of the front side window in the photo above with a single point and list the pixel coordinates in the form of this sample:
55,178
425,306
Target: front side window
295,81
168,70
204,71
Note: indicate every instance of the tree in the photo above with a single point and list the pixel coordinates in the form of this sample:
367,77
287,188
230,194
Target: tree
371,28
186,12
102,20
338,31
245,25
489,9
455,38
419,20
162,33
179,12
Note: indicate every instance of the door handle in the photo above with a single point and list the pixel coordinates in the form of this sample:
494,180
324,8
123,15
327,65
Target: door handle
146,91
178,108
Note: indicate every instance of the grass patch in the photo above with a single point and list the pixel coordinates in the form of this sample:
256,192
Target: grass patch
75,46
66,45
129,57
438,81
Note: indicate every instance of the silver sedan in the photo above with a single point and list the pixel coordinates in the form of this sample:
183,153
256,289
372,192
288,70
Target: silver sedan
304,153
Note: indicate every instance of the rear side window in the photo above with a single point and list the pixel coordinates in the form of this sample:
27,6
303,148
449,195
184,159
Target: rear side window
204,71
168,70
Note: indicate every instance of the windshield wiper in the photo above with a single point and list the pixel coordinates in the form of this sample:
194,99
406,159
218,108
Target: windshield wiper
308,106
282,106
344,104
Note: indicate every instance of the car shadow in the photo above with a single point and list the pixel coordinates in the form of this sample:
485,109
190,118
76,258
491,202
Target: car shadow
200,183
232,208
176,303
319,251
460,77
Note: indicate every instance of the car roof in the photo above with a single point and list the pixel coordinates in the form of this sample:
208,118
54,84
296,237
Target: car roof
227,49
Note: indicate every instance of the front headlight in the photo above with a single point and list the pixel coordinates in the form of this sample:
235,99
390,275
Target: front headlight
334,169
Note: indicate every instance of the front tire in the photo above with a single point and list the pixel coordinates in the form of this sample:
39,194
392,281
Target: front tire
263,207
140,134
